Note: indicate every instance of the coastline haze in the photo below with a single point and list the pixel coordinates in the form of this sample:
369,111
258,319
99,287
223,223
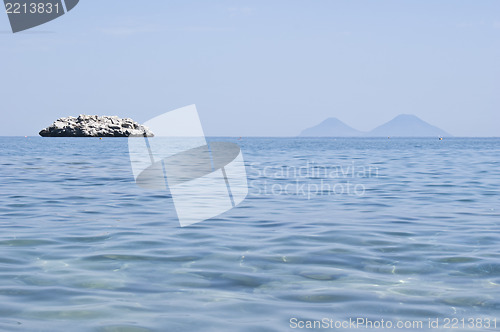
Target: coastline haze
403,125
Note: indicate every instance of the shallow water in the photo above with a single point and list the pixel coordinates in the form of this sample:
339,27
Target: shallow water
399,229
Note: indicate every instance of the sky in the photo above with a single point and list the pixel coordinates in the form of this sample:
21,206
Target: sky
258,68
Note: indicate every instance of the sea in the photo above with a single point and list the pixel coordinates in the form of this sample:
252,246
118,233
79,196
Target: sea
399,234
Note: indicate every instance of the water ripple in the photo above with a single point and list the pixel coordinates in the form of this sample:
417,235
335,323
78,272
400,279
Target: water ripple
83,248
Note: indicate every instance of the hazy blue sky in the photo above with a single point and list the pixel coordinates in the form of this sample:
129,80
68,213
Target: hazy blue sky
261,68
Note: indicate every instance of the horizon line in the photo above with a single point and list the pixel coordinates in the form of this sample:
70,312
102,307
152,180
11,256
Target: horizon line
259,136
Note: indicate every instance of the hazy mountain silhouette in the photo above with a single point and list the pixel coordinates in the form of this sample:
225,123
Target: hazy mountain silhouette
331,127
407,125
403,125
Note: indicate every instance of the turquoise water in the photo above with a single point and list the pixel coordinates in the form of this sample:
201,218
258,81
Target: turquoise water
399,229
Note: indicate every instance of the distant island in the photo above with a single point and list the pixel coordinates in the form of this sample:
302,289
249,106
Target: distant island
95,126
403,125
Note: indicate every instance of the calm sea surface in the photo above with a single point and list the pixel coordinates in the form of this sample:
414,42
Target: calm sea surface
403,230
